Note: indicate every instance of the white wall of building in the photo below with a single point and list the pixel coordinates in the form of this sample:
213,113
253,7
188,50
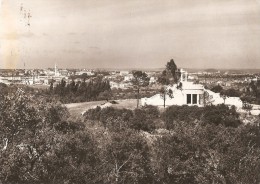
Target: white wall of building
179,96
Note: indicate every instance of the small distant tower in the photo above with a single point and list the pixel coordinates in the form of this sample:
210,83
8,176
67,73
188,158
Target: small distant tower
24,67
184,74
55,70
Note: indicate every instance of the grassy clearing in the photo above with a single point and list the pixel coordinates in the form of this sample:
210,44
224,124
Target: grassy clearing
76,109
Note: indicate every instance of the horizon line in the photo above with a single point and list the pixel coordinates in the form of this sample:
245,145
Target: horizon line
132,68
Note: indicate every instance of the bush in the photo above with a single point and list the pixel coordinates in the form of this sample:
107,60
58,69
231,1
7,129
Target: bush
217,89
220,114
139,119
181,113
145,118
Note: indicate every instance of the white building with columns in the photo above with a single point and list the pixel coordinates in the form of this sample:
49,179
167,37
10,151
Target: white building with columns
188,93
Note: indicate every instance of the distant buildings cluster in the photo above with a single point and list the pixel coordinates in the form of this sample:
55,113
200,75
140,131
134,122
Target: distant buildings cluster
39,76
119,79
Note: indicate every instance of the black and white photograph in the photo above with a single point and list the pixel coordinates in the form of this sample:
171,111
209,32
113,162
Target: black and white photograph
129,92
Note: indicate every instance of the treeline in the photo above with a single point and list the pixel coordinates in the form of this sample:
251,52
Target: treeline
250,93
148,118
40,143
231,92
81,91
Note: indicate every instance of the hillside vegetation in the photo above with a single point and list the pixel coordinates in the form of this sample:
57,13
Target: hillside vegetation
42,143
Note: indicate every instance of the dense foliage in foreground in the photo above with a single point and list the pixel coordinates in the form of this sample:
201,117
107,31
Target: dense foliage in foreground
40,143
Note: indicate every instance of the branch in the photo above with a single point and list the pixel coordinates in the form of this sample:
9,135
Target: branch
125,162
5,142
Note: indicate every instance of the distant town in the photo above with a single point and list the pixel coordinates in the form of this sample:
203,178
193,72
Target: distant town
121,79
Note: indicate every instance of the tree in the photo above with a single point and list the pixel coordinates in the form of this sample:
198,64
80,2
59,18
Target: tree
217,89
27,128
81,91
51,86
195,152
144,119
60,89
41,145
4,88
220,114
171,69
84,76
169,76
73,87
164,93
223,95
105,95
126,158
140,79
74,160
254,87
230,92
207,99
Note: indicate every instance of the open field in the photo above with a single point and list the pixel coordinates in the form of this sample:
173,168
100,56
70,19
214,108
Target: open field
76,109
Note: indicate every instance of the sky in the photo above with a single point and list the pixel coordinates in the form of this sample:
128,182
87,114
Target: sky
130,33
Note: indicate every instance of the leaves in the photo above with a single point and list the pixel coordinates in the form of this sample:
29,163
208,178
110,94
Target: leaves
82,91
140,79
40,143
127,158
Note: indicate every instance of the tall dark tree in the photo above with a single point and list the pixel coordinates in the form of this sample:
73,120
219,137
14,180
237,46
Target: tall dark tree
169,76
61,88
73,87
255,86
140,79
51,86
171,69
164,78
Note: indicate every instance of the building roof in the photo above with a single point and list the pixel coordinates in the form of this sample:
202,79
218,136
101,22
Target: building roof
191,86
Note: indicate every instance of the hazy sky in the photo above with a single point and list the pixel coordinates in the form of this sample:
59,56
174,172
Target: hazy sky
130,33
